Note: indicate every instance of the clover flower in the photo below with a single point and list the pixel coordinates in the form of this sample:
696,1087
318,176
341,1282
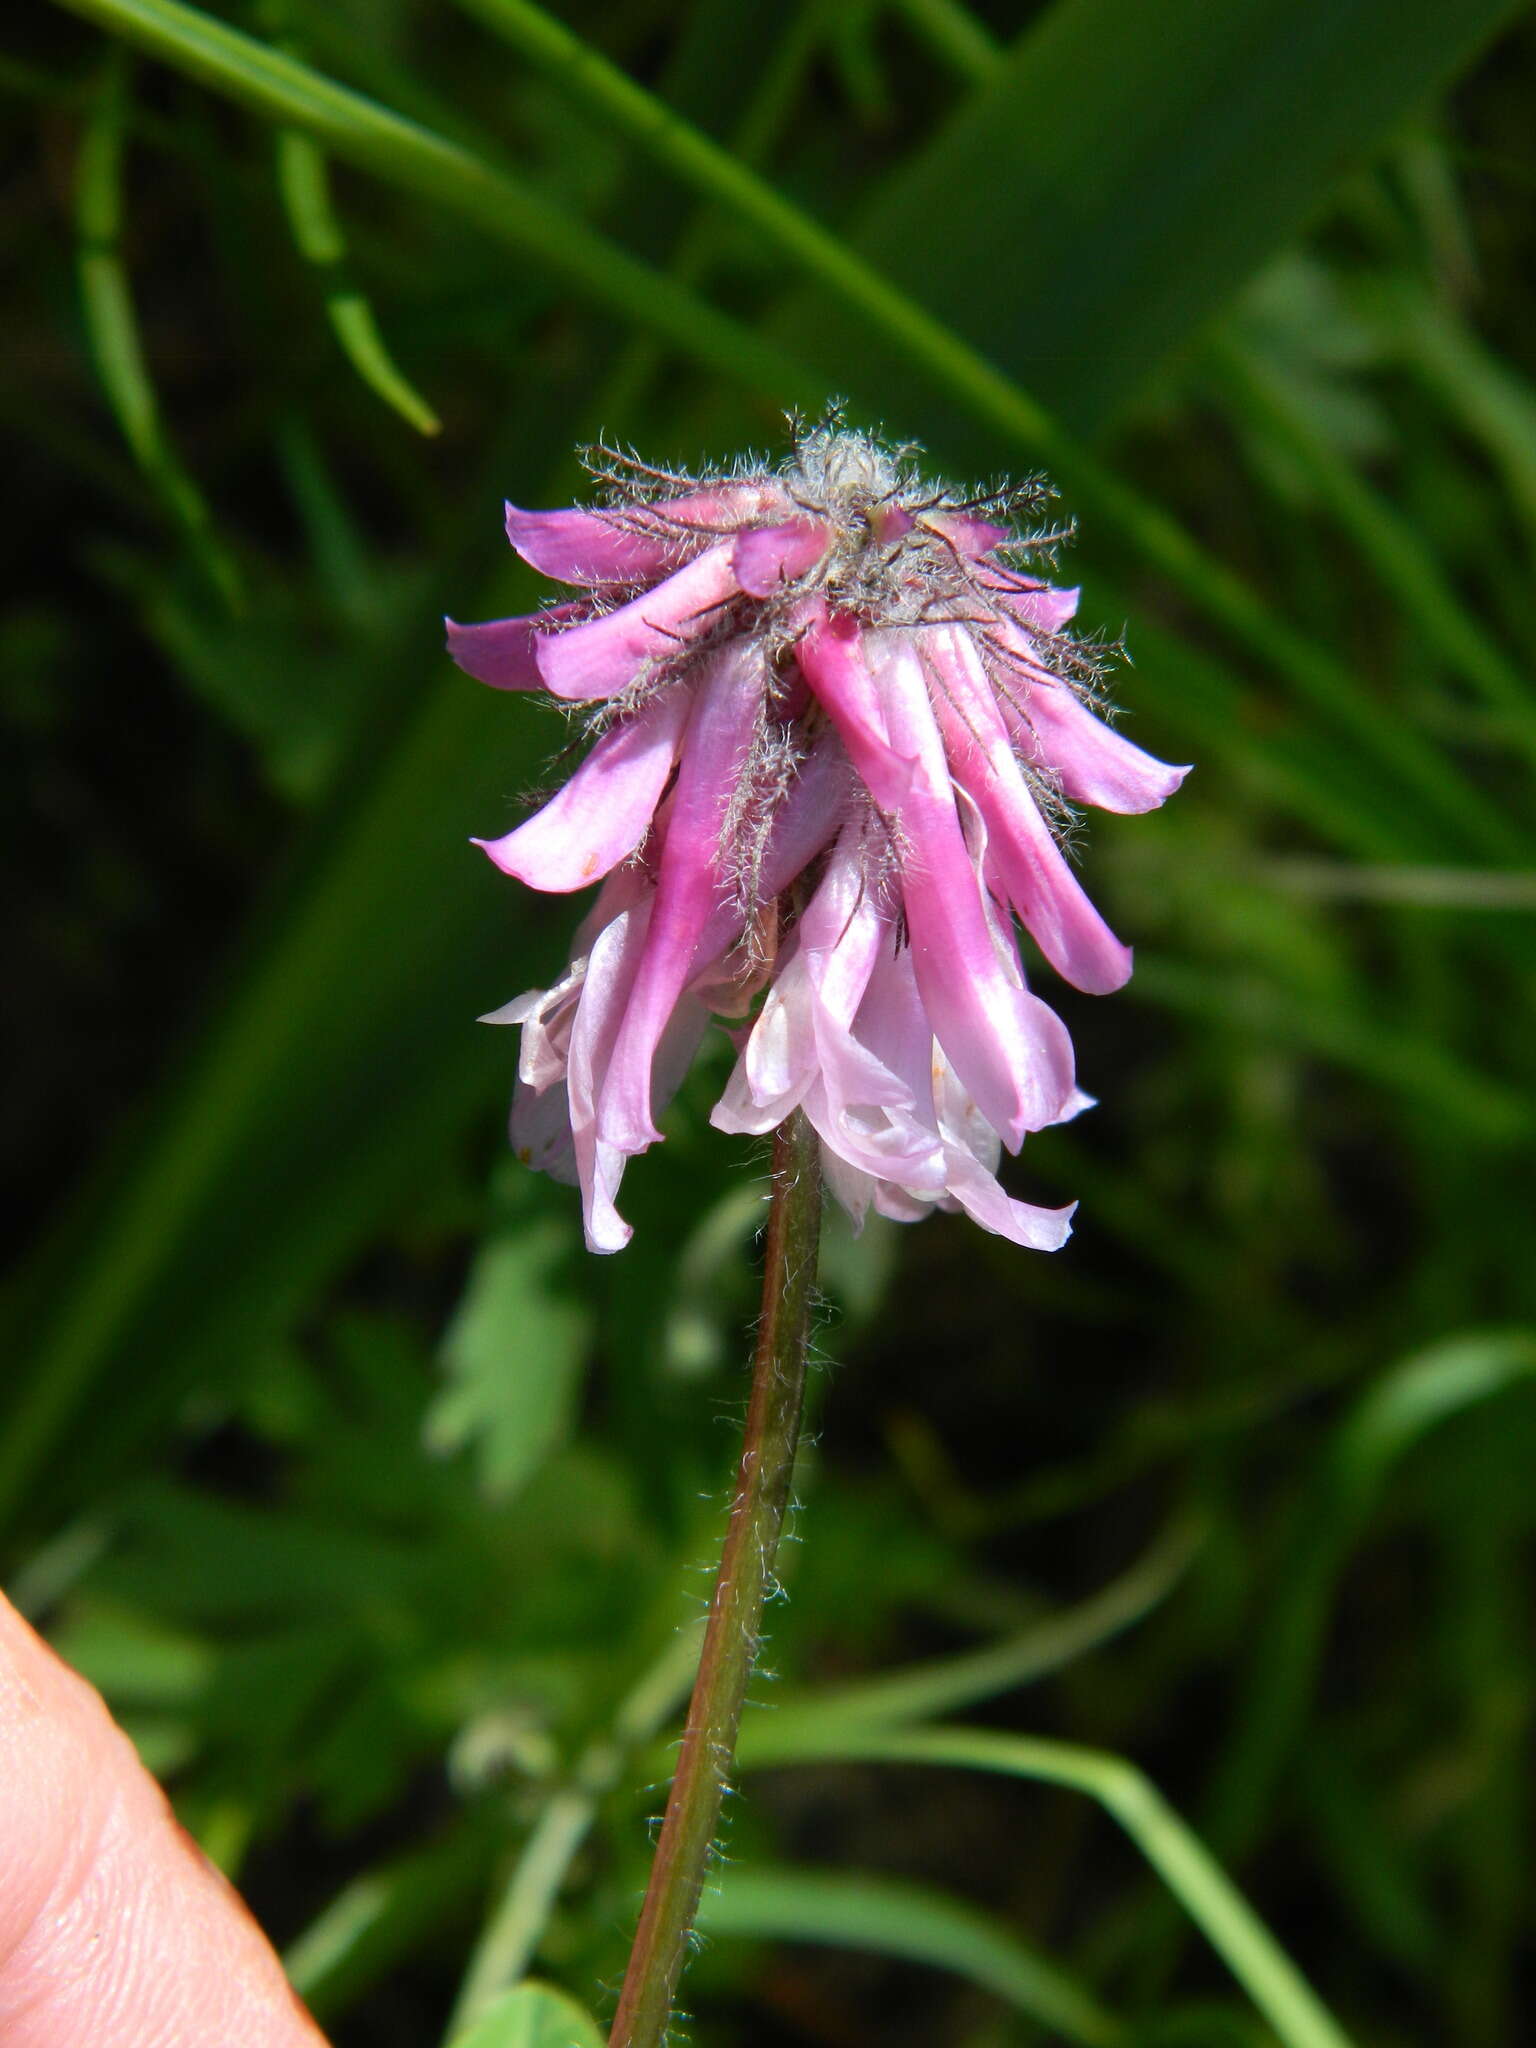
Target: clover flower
838,727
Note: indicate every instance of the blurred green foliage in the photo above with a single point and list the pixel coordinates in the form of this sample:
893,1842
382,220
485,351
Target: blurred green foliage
378,1510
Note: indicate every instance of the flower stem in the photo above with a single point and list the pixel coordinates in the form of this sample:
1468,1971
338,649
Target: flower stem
745,1576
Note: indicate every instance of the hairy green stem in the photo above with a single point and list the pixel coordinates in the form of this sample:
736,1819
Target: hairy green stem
741,1586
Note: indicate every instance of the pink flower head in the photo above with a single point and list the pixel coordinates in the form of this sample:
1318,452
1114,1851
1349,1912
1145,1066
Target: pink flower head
837,729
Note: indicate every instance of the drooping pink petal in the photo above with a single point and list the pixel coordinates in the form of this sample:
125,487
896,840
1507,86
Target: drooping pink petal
1011,1051
1094,763
832,659
982,1197
612,967
765,558
576,546
689,881
603,655
801,1049
605,810
1021,849
500,652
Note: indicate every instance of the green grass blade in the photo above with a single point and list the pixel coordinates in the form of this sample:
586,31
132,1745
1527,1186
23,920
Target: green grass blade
1392,547
1191,1874
112,330
1167,151
305,188
919,1925
359,131
940,1687
532,2016
1406,1404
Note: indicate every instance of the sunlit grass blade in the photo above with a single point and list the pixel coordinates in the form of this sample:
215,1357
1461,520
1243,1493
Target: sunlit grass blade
919,1925
357,130
1101,247
1199,1884
383,1916
305,187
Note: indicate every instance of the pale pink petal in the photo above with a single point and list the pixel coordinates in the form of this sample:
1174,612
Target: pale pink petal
853,1189
983,1199
1093,763
1012,1052
500,652
541,1132
689,881
1046,610
1025,600
765,558
605,810
612,967
1021,850
965,531
603,655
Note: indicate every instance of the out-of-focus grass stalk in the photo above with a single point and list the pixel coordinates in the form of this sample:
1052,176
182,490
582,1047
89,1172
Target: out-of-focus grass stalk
305,186
953,33
113,332
511,1935
360,131
1191,1874
1405,566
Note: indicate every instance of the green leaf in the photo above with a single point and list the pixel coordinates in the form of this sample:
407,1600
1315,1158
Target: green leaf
532,2016
513,1354
921,1926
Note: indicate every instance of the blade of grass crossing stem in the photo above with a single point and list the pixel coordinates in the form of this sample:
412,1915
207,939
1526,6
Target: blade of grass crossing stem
112,330
840,1910
509,1941
1255,1958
